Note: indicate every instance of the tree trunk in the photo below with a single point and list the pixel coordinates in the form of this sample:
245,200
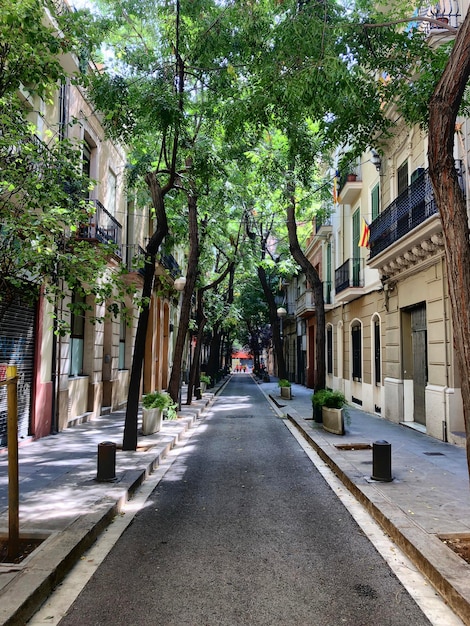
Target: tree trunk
317,288
443,109
132,408
195,365
213,363
275,323
193,259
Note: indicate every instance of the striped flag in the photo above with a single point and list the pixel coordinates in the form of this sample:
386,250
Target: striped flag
335,188
365,234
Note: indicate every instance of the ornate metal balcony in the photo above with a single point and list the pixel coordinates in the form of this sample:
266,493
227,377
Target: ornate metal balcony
102,227
410,209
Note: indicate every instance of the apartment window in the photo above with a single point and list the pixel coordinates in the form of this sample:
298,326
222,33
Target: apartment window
77,334
328,274
375,201
377,352
356,256
356,340
111,192
64,109
86,160
329,350
402,177
122,341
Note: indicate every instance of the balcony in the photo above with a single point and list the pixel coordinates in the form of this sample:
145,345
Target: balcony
349,280
323,226
134,256
447,12
350,188
305,305
102,227
169,263
410,209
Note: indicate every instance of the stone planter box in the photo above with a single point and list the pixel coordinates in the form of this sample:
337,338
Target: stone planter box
333,420
286,392
151,421
203,387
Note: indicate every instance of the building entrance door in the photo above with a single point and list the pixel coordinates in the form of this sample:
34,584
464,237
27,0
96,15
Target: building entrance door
420,362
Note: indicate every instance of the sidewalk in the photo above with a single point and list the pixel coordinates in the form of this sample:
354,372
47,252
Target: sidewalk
62,502
428,498
60,498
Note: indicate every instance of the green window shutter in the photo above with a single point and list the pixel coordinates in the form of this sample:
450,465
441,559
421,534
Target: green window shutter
375,201
356,231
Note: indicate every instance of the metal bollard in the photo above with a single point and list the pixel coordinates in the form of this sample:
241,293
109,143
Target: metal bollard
106,461
382,461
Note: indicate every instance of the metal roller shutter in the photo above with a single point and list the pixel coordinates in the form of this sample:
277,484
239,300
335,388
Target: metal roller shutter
17,323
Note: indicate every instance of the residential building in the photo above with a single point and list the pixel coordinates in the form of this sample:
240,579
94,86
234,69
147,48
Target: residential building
388,329
66,378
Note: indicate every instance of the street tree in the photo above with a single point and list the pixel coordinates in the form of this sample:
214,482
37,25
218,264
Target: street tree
171,65
444,106
317,79
43,190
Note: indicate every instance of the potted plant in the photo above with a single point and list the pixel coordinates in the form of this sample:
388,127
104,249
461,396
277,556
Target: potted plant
204,380
152,409
285,387
318,401
332,412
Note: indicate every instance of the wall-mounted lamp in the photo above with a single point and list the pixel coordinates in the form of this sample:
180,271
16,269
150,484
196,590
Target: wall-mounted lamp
179,283
376,160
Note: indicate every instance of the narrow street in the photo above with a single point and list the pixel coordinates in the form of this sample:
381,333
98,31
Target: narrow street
243,530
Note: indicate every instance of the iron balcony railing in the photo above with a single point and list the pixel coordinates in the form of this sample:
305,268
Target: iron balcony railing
348,275
169,262
410,209
446,12
102,227
134,256
321,221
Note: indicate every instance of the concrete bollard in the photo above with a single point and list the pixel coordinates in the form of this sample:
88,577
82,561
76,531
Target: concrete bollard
382,461
106,461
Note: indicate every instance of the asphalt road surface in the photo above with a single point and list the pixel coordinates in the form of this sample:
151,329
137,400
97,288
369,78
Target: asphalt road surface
243,530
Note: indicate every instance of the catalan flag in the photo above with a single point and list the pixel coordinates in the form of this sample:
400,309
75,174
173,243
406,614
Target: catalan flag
365,234
335,188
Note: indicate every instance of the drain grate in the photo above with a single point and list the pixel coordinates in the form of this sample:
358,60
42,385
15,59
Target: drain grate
434,453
